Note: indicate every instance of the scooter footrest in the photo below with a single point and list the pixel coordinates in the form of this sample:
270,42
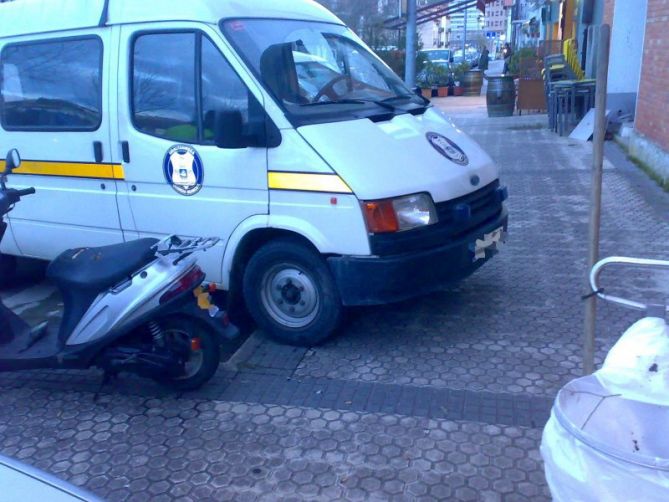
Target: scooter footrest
36,334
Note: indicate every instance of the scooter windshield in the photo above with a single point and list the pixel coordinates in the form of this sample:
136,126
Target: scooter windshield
319,72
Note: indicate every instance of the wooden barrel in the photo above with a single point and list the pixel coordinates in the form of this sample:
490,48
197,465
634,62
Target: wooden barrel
472,81
501,96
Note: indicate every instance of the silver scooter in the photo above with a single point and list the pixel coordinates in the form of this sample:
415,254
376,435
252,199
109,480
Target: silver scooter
137,307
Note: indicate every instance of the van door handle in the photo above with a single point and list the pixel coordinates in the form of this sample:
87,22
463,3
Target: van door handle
125,150
97,150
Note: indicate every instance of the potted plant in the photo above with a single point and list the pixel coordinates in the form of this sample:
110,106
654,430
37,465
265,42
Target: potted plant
514,63
458,75
425,86
442,77
426,80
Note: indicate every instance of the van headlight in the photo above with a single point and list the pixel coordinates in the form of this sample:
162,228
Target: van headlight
401,213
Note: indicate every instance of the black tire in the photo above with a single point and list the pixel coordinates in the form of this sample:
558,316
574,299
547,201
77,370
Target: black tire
291,294
7,270
210,352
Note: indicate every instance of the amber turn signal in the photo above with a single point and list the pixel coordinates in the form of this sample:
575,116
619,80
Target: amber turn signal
380,216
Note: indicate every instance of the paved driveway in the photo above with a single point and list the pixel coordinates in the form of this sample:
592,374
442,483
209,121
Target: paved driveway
441,397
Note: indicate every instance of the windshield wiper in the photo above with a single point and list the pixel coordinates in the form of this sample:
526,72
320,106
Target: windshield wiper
405,96
347,101
399,96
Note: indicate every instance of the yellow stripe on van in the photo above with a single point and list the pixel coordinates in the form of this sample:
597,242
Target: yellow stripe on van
307,182
69,169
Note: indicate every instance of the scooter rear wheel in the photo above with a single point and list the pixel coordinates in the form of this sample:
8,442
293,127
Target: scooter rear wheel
185,335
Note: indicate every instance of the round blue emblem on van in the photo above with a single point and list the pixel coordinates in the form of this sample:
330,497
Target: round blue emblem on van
447,148
183,169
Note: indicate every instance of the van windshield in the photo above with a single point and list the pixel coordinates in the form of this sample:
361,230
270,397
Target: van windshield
319,72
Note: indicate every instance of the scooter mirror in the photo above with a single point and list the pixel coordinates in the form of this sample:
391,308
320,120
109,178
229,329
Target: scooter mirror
13,160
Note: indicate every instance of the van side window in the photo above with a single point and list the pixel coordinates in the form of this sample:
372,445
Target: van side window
52,85
163,84
222,89
180,82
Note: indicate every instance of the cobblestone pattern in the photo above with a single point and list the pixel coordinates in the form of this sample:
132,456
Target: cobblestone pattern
133,448
271,389
423,400
515,326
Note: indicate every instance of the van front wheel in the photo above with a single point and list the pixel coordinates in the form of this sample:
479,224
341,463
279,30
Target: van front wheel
291,294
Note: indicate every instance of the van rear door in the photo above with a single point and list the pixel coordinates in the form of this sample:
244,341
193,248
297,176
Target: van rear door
55,111
173,84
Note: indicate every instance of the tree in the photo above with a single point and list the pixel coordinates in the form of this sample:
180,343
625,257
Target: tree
365,17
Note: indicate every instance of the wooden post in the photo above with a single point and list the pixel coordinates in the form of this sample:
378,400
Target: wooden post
604,37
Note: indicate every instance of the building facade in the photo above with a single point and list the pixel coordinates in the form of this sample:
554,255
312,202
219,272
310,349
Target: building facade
639,67
474,19
496,19
435,34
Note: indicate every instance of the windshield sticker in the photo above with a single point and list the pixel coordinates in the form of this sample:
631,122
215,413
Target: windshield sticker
183,169
447,148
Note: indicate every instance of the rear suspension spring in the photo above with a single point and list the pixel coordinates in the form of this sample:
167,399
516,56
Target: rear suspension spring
156,333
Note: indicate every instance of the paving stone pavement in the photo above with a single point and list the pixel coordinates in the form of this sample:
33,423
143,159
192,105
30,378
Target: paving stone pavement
438,398
135,448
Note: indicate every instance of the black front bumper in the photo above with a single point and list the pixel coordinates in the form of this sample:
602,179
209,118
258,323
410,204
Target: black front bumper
377,280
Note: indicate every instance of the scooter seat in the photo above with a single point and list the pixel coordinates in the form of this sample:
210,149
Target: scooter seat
96,269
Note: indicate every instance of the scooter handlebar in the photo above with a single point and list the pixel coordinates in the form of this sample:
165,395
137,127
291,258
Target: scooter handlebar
27,191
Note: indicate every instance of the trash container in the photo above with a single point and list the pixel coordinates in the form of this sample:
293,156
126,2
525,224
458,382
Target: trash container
608,434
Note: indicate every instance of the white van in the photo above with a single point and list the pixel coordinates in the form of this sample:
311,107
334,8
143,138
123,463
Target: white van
266,123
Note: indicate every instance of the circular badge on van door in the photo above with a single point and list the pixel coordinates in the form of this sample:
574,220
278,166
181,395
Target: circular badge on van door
183,169
447,148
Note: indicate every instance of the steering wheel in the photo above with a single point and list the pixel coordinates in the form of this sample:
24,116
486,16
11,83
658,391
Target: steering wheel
327,88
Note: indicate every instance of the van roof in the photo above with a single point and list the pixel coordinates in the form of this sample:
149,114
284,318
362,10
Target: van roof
23,17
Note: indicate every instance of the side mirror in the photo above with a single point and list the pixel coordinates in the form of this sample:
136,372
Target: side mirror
12,161
229,130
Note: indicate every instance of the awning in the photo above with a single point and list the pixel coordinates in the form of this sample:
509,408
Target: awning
434,11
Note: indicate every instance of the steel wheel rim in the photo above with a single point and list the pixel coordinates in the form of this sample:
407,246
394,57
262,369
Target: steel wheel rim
195,357
290,296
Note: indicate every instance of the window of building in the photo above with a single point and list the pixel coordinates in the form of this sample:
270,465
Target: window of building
52,85
179,102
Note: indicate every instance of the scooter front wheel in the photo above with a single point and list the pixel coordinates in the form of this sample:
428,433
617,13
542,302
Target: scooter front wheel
199,348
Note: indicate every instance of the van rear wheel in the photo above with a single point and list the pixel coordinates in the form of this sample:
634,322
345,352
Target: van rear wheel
7,270
291,293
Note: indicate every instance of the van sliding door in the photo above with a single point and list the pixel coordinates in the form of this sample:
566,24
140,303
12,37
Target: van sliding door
55,111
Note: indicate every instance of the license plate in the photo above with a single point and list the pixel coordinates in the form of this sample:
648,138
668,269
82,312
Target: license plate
491,241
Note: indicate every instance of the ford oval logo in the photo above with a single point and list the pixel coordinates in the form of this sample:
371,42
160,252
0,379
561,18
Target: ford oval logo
447,148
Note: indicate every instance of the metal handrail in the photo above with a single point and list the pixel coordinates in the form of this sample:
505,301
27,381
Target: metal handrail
622,260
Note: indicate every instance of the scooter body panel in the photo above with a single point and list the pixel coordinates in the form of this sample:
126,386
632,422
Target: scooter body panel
49,353
119,306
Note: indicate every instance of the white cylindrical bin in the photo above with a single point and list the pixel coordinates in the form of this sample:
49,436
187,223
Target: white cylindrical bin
608,435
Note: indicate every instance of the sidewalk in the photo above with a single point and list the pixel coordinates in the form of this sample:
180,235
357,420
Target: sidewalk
439,398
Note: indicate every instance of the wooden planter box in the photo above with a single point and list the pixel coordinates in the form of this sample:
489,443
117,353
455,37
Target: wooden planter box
427,93
531,94
442,92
